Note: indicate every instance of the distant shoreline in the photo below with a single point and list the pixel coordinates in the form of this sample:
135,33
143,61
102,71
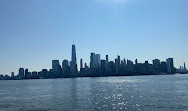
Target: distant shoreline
102,76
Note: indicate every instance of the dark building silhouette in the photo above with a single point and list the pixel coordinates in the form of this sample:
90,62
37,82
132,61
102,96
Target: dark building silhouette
65,63
185,66
44,73
73,55
34,75
56,68
129,67
82,71
163,67
65,68
55,65
122,68
92,60
95,60
40,76
107,64
86,70
81,64
156,66
51,74
107,59
21,73
94,64
170,66
98,60
148,68
136,62
117,63
73,63
103,67
73,69
12,76
27,74
112,68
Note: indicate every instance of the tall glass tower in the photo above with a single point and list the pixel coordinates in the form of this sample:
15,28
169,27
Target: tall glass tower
73,64
73,53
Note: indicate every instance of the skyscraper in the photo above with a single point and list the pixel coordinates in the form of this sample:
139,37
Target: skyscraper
170,65
86,70
44,73
65,63
56,69
117,62
81,64
124,61
185,66
107,60
73,69
12,74
136,61
66,68
118,57
81,68
21,73
26,74
73,59
34,74
92,60
107,63
163,67
97,60
55,65
130,66
103,67
73,63
156,65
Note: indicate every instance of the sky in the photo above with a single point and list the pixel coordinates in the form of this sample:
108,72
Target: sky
35,32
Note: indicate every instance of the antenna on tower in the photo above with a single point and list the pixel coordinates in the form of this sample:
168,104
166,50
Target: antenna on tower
73,41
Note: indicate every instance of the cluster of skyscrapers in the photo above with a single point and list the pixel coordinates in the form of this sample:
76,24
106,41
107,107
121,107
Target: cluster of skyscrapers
182,69
98,67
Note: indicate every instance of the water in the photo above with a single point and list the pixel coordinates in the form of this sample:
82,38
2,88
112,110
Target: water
136,93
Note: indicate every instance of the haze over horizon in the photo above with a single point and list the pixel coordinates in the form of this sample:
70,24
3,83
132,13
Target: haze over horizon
33,33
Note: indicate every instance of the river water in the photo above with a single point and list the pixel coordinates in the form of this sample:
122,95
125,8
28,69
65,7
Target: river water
131,93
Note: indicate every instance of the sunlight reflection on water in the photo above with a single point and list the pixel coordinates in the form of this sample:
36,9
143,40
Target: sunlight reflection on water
123,80
147,93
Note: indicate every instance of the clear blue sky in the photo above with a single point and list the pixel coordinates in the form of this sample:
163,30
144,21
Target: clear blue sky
34,32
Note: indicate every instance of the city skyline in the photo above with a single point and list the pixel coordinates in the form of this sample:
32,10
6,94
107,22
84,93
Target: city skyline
73,59
99,67
32,33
